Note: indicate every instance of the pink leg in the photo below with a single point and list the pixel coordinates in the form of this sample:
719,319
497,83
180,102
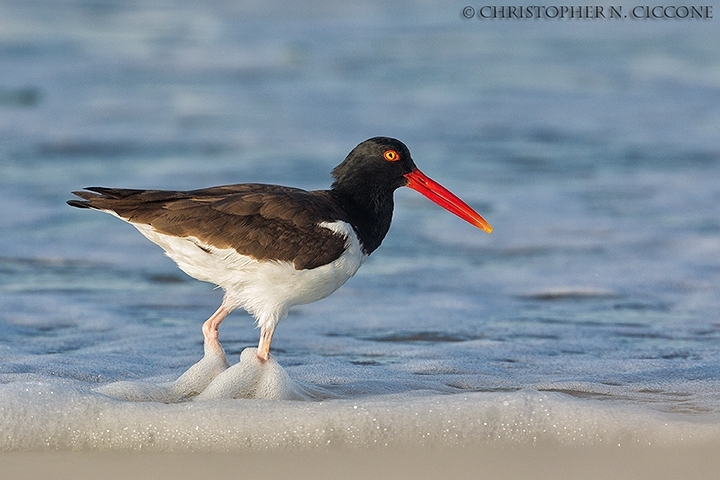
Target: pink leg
210,330
266,334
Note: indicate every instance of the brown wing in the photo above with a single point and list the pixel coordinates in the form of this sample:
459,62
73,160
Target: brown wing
263,221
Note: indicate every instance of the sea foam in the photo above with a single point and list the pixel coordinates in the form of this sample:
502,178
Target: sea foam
65,416
211,378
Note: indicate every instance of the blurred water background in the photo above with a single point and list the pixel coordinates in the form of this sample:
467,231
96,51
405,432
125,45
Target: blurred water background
591,146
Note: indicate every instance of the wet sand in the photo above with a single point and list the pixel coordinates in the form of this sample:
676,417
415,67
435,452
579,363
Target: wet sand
478,462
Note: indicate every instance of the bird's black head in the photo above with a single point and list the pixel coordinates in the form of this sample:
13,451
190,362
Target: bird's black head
365,182
376,165
364,186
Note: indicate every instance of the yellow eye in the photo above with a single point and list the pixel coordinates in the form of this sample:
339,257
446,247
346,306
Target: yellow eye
391,155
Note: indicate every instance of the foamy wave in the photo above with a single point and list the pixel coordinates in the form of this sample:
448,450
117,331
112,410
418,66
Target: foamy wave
212,379
37,416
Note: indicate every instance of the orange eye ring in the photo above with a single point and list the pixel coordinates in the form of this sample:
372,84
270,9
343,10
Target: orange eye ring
391,155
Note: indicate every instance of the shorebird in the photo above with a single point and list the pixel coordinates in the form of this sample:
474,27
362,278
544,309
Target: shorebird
270,247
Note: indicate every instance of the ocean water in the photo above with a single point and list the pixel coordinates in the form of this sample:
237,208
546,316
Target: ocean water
591,315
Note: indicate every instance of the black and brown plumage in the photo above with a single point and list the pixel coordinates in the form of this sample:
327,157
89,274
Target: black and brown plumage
271,247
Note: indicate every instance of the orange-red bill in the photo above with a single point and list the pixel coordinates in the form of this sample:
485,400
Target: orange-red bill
420,182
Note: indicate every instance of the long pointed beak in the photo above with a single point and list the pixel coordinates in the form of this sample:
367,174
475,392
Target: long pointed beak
420,182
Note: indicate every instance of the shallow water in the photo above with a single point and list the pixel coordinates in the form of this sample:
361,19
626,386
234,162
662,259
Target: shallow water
591,314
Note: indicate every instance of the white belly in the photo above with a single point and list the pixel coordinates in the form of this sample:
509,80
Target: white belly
265,288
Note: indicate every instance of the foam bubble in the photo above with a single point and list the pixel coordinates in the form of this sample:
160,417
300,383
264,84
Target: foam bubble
211,378
253,378
188,385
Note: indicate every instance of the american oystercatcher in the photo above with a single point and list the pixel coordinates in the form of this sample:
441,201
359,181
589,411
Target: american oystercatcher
271,247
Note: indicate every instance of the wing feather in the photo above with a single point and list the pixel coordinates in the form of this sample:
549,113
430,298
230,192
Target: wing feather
266,222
